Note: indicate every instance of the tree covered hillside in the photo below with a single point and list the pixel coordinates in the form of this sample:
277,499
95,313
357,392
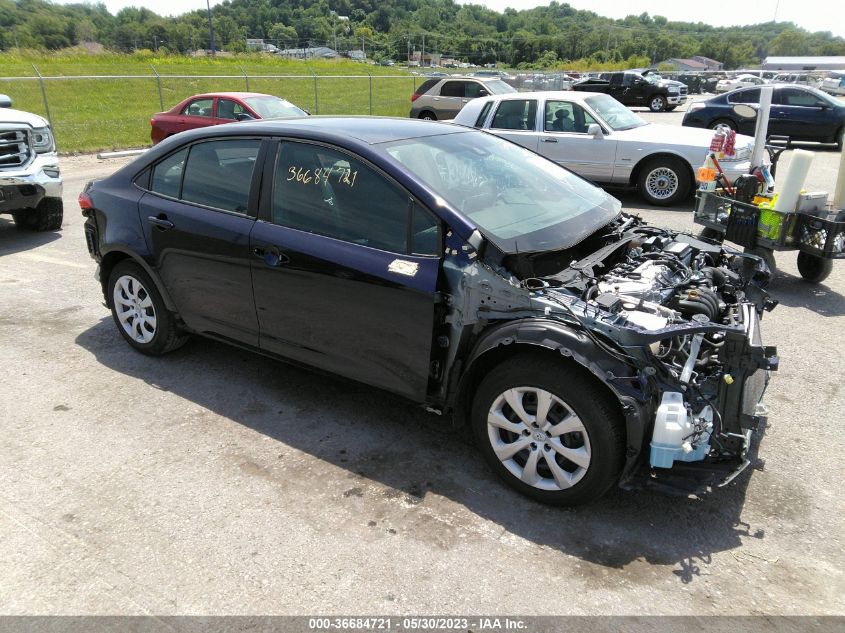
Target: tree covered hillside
543,36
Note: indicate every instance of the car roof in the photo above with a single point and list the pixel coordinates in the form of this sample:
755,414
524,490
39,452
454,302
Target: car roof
569,95
365,129
234,95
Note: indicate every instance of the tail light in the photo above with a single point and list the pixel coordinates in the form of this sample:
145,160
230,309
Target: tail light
414,97
86,204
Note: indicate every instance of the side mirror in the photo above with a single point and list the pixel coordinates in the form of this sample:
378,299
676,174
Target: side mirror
5,101
243,116
594,130
745,111
483,93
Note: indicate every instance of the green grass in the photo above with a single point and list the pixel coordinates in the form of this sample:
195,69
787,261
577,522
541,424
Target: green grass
101,114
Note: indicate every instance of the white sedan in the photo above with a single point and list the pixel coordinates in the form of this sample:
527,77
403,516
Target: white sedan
601,140
742,81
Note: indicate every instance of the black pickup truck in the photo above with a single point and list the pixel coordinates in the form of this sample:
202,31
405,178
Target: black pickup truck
634,89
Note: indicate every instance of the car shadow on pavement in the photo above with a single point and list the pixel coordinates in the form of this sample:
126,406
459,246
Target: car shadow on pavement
15,240
384,441
793,291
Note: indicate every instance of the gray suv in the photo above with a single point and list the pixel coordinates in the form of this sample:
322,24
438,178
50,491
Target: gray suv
443,97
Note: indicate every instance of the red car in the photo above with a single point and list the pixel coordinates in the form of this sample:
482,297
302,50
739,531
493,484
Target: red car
214,108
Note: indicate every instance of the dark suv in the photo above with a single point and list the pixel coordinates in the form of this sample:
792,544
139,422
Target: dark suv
454,268
443,98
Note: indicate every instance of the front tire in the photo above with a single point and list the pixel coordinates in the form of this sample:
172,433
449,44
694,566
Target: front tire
657,104
664,181
548,430
47,216
139,311
814,269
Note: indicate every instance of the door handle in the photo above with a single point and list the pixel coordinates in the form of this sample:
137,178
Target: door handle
161,221
271,256
548,140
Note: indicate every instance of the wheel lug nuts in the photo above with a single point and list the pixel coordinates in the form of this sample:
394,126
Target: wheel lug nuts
533,446
526,433
548,447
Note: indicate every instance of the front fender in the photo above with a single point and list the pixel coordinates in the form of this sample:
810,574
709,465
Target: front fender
623,382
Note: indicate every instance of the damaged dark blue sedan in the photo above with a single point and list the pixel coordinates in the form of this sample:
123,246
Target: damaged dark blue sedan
583,347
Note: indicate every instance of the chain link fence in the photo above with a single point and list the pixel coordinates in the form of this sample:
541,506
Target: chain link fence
95,112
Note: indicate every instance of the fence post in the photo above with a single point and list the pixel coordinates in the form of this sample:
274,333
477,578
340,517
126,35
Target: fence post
158,83
246,77
371,91
316,101
44,97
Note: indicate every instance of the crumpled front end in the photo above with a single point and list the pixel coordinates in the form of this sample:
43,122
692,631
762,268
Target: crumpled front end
684,314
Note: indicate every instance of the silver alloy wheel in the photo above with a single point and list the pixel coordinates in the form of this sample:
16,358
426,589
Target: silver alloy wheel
134,308
538,438
661,183
657,104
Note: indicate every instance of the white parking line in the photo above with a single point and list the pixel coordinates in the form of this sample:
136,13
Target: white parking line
36,257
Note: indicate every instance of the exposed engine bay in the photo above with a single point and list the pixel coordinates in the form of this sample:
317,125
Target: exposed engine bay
672,323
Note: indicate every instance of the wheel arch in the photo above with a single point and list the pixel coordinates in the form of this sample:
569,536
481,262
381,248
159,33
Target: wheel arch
551,339
637,170
113,258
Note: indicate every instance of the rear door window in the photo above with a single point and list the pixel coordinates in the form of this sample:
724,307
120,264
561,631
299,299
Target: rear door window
482,116
745,96
199,107
453,89
515,114
218,174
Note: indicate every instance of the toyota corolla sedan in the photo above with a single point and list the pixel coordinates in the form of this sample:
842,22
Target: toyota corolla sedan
463,272
600,139
216,108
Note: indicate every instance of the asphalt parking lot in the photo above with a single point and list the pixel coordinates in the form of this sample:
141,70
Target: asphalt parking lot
214,481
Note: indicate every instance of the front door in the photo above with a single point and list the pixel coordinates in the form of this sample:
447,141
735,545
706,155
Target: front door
197,220
345,269
565,141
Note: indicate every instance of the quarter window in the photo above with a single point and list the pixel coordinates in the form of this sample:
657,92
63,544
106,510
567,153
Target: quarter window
219,173
515,114
200,107
167,175
324,191
482,117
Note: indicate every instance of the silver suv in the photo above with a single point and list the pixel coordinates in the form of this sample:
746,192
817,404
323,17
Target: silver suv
30,181
443,97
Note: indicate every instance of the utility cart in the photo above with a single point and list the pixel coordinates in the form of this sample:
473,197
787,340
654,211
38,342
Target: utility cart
818,236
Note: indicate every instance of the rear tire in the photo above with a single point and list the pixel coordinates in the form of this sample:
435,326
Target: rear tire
726,122
427,115
139,312
664,181
47,216
532,451
840,138
814,269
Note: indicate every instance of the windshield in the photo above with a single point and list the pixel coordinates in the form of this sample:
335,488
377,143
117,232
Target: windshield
617,116
653,78
273,107
498,87
520,200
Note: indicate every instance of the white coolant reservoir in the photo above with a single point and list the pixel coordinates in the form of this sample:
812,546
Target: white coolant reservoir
677,435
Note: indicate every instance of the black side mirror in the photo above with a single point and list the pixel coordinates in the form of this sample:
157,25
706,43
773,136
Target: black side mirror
483,93
243,116
5,101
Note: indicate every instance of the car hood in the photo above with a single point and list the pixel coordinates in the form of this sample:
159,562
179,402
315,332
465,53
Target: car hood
8,115
676,135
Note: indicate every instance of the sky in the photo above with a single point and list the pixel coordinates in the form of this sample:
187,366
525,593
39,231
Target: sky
813,15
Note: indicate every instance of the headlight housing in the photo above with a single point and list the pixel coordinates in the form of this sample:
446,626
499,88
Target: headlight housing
42,140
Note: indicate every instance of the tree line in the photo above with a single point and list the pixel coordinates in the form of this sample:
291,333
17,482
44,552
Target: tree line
542,37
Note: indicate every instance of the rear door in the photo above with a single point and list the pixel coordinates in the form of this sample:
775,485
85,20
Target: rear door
197,217
516,120
564,139
198,113
345,269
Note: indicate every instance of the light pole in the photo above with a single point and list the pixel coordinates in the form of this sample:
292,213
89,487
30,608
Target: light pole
210,27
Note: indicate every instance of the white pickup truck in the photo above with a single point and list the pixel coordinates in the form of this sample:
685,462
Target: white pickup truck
30,180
